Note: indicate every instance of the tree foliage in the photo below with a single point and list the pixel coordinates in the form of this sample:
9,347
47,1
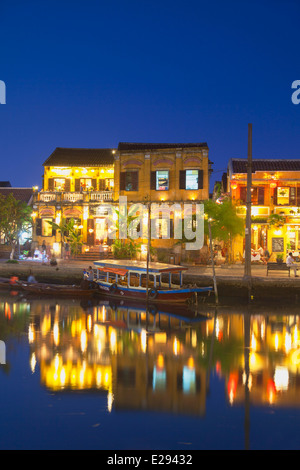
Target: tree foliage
69,234
224,221
15,218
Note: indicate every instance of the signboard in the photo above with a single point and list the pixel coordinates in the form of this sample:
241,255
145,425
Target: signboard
278,245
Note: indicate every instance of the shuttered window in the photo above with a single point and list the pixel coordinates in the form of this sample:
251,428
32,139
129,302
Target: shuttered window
50,184
129,180
243,194
191,179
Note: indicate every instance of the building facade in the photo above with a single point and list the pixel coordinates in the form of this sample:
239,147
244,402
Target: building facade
275,204
84,184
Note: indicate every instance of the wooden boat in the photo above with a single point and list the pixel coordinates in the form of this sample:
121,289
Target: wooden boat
128,279
57,290
6,283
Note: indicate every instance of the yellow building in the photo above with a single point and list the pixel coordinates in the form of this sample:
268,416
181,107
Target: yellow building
77,184
275,204
83,183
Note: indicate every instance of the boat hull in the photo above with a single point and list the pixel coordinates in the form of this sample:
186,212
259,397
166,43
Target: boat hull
53,290
169,296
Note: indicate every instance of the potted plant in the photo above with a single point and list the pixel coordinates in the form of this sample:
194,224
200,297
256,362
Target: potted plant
279,258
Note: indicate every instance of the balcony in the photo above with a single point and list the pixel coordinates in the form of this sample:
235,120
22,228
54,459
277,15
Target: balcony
48,196
73,197
99,196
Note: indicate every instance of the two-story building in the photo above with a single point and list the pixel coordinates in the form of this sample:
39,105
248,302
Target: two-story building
82,183
77,184
275,203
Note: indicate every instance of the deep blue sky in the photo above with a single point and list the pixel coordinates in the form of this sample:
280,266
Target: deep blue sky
93,73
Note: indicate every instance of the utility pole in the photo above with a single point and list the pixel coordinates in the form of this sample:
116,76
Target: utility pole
247,273
148,249
212,262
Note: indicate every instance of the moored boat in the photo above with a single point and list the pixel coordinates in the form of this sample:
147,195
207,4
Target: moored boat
128,278
57,290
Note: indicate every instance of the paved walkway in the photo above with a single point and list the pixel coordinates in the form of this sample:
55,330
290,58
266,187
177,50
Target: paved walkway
224,271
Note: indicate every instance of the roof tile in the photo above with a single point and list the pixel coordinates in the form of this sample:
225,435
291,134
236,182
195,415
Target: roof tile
80,157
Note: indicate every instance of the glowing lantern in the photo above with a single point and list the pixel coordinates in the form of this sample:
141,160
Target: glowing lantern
233,185
273,185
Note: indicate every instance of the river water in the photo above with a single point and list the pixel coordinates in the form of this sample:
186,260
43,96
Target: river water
100,375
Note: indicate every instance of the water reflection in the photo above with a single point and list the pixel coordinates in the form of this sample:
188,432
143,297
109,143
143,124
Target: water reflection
162,359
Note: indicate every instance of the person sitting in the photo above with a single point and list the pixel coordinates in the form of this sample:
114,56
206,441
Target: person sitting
266,255
31,279
291,264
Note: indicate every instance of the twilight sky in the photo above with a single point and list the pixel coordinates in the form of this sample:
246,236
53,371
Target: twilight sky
94,73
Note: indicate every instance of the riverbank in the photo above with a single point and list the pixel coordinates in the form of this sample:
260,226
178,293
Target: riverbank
230,279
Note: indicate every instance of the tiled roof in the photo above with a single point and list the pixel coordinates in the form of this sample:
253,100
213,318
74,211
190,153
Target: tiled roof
239,165
80,157
21,194
131,146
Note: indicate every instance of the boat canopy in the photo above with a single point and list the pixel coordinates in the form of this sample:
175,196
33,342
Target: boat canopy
109,265
120,271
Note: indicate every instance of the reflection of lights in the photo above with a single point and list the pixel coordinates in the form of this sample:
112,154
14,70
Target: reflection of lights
191,363
295,335
271,391
56,334
295,357
231,387
276,342
110,399
62,376
288,342
262,330
113,340
32,362
31,334
175,346
103,313
45,325
253,342
89,323
194,339
83,340
160,361
98,377
252,359
281,378
143,340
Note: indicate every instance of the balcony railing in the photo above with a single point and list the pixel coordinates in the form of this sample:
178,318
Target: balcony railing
47,196
73,197
101,196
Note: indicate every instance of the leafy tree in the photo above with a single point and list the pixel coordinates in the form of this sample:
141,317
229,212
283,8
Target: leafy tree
276,220
129,247
15,218
69,234
224,220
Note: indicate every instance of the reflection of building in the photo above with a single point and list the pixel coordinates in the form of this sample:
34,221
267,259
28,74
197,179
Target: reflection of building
275,190
83,183
132,357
